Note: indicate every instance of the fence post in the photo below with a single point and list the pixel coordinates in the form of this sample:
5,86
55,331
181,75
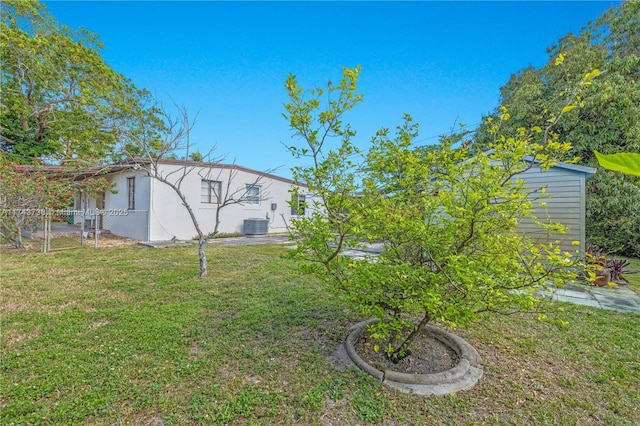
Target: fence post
44,233
48,231
95,230
82,228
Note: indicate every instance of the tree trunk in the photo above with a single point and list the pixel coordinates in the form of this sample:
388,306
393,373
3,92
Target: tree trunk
202,245
18,241
402,351
12,229
202,238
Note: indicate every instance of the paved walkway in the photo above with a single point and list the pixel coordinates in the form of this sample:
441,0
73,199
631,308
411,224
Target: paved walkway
233,241
618,298
258,239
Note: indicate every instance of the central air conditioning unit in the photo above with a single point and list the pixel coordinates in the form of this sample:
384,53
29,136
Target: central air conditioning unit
256,226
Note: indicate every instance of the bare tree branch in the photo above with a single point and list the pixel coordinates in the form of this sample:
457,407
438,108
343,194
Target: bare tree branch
148,155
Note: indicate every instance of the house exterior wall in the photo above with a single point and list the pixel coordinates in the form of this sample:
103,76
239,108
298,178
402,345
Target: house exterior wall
159,214
120,220
170,219
158,205
118,199
563,202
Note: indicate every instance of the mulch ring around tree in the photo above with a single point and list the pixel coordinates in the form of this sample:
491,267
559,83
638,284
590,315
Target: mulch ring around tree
428,356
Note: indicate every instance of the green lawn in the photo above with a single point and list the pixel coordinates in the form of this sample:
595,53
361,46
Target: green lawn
634,278
129,335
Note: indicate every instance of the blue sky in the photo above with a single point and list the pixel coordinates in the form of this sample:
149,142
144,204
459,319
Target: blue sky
441,62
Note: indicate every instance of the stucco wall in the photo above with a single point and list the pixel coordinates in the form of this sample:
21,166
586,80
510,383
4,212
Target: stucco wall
168,218
117,218
118,200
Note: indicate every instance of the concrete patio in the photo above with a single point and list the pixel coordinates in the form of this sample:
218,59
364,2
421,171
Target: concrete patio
619,298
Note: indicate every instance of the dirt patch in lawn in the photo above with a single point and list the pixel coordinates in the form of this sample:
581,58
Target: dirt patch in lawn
110,240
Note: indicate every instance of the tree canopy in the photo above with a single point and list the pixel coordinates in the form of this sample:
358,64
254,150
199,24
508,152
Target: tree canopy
446,219
60,100
61,104
604,116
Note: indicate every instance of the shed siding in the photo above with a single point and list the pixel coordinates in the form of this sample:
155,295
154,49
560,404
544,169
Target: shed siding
564,199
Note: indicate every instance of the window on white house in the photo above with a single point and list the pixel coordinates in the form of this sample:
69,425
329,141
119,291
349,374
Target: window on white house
298,205
131,193
210,191
253,194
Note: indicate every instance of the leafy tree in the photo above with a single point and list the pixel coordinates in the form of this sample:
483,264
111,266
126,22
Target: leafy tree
61,104
60,100
626,162
606,118
196,156
445,217
27,192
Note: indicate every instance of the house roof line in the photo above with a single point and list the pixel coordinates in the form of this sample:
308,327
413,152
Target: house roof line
127,164
89,172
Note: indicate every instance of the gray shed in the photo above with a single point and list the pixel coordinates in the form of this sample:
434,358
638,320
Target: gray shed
565,188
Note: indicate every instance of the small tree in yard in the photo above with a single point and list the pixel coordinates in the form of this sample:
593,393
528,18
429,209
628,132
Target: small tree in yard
446,219
146,152
27,192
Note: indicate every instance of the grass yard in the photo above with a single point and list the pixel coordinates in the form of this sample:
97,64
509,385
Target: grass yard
129,335
634,278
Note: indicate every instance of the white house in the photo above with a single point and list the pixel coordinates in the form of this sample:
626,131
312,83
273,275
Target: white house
144,208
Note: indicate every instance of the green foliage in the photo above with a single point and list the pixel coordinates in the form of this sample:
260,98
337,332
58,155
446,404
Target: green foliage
196,156
596,261
28,192
604,60
60,99
626,162
617,268
445,217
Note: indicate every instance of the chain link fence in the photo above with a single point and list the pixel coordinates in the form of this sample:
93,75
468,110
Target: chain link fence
63,229
133,224
50,230
42,229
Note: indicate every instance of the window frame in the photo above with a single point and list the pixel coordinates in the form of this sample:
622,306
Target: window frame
253,200
213,187
298,206
131,193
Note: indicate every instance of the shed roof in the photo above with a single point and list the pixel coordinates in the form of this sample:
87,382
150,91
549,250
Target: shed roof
588,171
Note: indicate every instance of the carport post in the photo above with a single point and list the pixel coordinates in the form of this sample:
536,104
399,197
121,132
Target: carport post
95,230
82,229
